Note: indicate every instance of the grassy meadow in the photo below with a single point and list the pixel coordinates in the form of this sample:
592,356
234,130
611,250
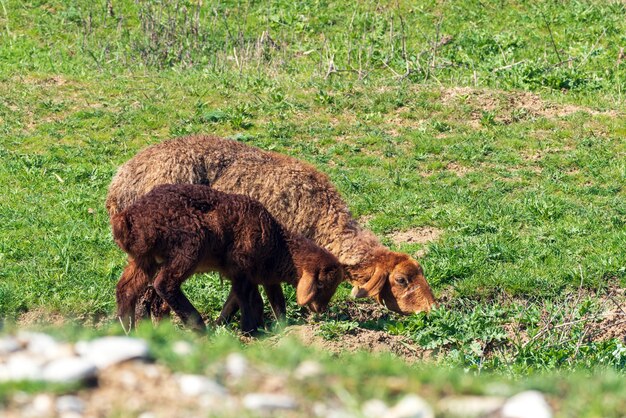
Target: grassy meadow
498,127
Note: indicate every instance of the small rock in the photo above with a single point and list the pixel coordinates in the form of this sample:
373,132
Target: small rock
9,345
70,403
224,404
528,404
374,408
411,406
196,385
268,402
41,405
70,414
107,351
20,398
147,414
236,365
470,406
128,380
182,348
333,410
71,369
41,344
307,370
21,366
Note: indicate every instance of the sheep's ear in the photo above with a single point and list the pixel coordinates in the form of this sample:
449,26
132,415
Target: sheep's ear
305,291
374,286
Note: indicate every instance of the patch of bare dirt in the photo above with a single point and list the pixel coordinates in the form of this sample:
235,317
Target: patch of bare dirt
39,316
512,106
57,80
374,341
458,169
420,235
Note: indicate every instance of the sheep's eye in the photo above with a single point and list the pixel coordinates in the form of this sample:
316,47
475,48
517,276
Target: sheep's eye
402,281
320,285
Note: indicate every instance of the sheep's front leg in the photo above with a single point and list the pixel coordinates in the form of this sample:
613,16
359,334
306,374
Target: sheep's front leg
167,285
251,304
277,300
231,306
132,283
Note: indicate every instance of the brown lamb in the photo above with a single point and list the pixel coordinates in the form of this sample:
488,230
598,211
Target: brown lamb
178,230
295,193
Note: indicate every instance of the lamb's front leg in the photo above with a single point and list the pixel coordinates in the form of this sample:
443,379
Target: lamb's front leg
231,306
251,304
167,285
276,299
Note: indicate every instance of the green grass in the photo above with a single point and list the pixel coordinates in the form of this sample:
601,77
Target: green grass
508,136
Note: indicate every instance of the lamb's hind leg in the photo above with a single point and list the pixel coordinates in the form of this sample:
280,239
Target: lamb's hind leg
167,285
132,283
277,300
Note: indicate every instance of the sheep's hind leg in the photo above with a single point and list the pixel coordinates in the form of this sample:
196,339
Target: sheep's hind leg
251,304
167,285
231,307
276,299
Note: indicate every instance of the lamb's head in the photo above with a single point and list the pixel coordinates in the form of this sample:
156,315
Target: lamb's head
397,281
318,282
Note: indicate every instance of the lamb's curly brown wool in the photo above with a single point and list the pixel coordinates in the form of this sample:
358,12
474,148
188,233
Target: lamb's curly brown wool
178,230
299,196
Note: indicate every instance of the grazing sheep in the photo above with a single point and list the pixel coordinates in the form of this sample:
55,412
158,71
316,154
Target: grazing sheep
295,193
177,230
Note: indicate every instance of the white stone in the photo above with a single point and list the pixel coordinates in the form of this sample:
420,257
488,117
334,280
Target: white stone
528,404
411,406
268,401
333,410
41,344
70,403
374,408
107,351
9,345
147,414
182,348
196,385
22,366
70,414
70,369
41,405
308,369
470,406
236,365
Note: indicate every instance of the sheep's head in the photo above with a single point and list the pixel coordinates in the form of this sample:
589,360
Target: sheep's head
318,284
398,283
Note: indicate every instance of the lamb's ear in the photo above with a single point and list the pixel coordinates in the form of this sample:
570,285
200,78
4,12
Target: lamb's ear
305,291
358,292
373,287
